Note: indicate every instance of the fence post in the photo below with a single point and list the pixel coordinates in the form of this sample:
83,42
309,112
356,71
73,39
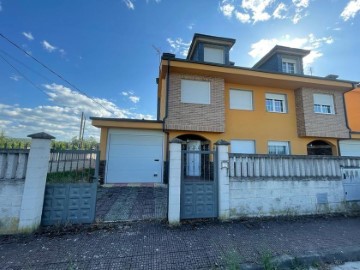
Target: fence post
222,168
174,182
35,181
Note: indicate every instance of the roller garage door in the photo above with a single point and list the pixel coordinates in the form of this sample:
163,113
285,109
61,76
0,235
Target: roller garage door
350,148
134,156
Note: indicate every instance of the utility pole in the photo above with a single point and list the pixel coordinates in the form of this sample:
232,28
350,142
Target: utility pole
81,129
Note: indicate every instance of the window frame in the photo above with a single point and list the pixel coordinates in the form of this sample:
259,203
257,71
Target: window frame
232,105
288,61
186,93
242,140
322,107
278,143
274,102
219,48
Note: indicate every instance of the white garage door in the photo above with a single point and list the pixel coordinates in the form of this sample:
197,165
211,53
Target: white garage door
350,148
134,156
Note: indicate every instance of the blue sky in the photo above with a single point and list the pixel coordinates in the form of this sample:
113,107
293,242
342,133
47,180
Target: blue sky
109,51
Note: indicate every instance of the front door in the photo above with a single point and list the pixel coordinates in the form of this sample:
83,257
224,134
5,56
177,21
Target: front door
193,161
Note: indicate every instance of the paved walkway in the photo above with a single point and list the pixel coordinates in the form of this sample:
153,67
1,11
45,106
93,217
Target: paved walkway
130,203
193,245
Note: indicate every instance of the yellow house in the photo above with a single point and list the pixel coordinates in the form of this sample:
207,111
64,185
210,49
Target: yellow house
271,108
351,147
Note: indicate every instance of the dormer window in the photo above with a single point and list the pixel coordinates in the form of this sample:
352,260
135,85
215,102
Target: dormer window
289,66
214,55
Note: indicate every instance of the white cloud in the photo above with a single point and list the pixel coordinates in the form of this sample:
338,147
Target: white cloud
337,29
28,35
301,3
263,10
62,52
47,46
227,8
279,11
129,4
130,95
242,17
15,77
60,118
310,42
300,6
257,7
191,26
352,8
179,46
134,99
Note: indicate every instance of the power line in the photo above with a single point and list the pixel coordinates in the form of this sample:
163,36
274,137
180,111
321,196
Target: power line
24,65
22,75
52,71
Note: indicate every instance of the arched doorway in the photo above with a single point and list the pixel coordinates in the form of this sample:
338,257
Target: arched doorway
319,147
194,142
194,161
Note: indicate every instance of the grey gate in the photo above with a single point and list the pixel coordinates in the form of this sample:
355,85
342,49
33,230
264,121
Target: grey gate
198,185
351,183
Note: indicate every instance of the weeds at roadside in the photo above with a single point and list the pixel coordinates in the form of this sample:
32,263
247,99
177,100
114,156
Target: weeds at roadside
266,261
232,260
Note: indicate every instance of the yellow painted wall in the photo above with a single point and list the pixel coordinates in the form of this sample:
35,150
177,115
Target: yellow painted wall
260,125
352,100
103,142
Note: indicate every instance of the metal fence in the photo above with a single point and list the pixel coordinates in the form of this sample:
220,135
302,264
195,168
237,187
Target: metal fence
275,166
13,163
73,166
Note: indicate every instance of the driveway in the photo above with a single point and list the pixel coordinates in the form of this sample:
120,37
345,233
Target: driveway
131,203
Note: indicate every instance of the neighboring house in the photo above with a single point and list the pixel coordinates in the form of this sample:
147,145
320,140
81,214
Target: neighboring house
352,147
271,108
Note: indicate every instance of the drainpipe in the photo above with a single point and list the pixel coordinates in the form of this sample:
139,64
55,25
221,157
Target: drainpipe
346,117
166,113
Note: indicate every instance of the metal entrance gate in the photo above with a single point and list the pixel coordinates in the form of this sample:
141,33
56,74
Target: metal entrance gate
198,185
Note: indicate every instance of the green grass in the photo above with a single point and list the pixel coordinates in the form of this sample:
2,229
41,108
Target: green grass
232,261
80,176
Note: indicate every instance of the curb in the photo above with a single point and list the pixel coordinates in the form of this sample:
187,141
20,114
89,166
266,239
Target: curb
309,259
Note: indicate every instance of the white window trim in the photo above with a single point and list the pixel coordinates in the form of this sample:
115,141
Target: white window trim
272,96
321,104
215,48
280,143
289,60
185,94
232,106
242,140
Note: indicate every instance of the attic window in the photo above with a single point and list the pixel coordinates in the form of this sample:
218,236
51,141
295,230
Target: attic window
289,66
214,55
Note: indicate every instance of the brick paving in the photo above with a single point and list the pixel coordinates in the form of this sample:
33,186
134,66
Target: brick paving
193,245
131,203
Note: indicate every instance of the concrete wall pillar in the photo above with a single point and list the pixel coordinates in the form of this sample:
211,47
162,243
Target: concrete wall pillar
222,148
35,181
174,182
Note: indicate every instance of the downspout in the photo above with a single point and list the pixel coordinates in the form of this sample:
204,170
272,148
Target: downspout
346,116
166,116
